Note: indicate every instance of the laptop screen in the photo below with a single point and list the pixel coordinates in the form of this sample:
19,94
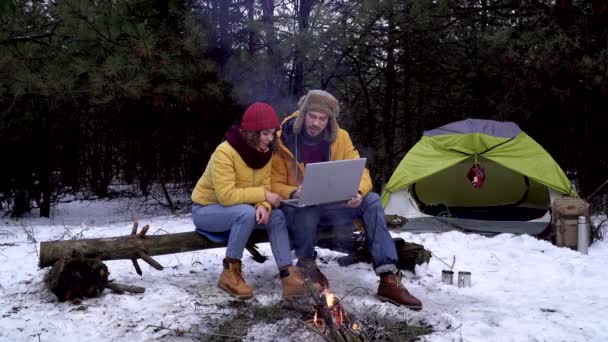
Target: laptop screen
331,181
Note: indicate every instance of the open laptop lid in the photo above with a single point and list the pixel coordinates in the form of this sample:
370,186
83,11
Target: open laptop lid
331,182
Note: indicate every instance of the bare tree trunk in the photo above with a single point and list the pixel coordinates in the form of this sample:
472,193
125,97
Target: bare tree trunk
299,54
44,175
251,36
45,201
387,109
163,185
369,112
225,43
274,80
564,13
212,30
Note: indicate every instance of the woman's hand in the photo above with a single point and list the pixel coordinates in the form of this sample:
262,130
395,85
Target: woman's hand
273,198
297,193
261,214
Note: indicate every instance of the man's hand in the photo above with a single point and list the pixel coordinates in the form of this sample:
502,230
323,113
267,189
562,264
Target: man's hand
273,198
261,214
355,202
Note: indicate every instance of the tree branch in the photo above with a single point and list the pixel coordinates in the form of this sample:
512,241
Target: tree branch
26,38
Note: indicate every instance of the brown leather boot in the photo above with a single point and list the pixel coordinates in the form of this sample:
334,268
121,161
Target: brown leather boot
292,279
391,290
232,280
312,271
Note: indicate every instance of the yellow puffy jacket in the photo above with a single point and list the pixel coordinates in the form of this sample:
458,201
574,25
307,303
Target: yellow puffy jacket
228,180
287,176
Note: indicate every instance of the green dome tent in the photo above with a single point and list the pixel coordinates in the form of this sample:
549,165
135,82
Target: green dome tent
519,181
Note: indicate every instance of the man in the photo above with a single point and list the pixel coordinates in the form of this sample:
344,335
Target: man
312,135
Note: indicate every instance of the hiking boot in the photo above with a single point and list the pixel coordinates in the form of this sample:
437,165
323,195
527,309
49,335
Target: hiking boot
292,279
312,271
232,280
391,290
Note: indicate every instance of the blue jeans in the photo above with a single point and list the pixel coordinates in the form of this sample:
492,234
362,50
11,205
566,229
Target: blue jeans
303,223
237,222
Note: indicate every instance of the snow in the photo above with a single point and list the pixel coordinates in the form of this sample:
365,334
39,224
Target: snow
522,289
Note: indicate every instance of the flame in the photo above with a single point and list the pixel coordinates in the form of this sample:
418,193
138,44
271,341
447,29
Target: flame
334,309
330,299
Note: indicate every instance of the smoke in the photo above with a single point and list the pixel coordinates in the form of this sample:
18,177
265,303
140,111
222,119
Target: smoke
257,80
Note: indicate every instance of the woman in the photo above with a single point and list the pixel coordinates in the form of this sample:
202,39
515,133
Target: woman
233,197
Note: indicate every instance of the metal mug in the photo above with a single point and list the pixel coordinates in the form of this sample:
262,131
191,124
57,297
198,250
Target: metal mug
464,279
447,277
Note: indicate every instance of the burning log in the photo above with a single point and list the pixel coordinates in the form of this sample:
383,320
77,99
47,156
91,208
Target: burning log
324,312
332,316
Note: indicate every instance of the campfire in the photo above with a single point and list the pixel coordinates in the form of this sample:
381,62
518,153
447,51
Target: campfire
331,320
334,309
328,314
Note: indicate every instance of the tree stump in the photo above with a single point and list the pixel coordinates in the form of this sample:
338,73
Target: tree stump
75,277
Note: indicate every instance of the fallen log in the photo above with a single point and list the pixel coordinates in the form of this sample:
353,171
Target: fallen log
127,247
78,270
142,246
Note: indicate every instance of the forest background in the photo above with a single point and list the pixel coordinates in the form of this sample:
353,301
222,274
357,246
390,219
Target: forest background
105,98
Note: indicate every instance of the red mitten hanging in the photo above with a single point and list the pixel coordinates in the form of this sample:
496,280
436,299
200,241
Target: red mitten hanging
477,175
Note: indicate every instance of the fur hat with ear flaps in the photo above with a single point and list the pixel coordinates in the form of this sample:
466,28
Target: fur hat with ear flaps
319,101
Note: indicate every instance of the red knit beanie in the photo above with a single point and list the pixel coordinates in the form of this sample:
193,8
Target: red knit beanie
259,116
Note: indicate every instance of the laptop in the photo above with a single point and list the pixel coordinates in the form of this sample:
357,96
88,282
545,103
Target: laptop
332,182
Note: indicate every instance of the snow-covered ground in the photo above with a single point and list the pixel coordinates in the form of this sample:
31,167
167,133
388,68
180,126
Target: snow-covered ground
522,289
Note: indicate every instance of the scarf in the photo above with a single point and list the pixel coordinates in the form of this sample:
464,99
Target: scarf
312,149
253,158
